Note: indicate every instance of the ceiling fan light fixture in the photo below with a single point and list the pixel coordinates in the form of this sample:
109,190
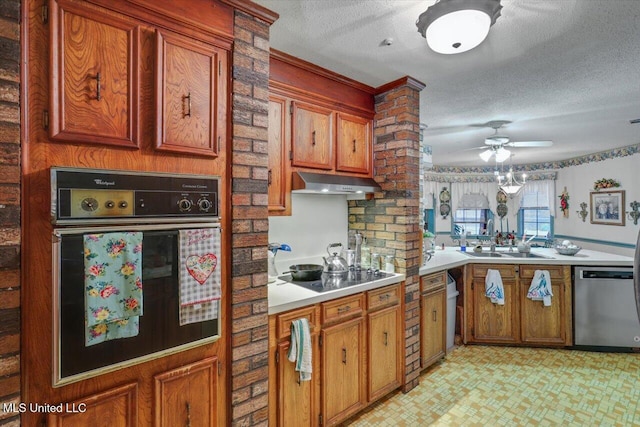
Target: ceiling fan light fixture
486,155
456,26
502,154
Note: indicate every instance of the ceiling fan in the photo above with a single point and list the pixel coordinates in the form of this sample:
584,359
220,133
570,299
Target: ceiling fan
496,143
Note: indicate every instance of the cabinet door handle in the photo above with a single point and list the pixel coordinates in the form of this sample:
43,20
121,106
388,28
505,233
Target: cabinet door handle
435,312
386,339
269,177
344,309
313,138
188,415
344,355
186,111
384,297
354,145
98,96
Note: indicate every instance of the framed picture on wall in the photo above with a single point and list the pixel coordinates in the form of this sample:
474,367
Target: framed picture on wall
607,207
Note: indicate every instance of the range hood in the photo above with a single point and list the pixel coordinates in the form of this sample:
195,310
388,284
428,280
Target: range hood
320,183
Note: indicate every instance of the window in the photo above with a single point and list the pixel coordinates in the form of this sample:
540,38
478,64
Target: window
472,221
534,217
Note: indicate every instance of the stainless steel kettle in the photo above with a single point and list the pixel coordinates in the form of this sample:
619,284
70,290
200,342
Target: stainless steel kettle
335,264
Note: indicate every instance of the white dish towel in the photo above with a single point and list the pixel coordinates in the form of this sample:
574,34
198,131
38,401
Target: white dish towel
300,348
540,289
493,287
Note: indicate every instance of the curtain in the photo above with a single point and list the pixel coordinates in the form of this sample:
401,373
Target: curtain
431,189
536,194
474,195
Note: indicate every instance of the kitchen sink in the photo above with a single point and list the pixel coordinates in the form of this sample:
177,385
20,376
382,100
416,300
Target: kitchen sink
525,255
483,254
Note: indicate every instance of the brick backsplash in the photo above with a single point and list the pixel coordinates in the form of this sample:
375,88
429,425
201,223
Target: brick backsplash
390,221
9,207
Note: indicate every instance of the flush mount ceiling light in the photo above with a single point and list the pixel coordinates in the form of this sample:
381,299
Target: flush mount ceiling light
456,26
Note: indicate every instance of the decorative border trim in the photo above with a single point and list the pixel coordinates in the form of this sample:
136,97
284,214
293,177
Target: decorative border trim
447,178
629,150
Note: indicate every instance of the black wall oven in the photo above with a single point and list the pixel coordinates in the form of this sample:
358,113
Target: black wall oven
158,209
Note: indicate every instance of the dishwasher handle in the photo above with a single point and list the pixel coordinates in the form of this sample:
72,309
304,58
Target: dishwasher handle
607,274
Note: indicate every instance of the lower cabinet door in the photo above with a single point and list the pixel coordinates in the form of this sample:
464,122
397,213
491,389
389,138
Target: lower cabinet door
296,399
494,323
543,324
188,395
432,327
117,407
343,372
385,366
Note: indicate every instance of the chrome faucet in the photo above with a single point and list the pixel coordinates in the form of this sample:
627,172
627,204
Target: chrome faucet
492,242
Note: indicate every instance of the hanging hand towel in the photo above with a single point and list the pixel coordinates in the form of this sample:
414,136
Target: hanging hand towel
113,285
300,348
199,252
493,286
540,289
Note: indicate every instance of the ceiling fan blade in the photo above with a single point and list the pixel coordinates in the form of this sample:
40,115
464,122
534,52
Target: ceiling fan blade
530,144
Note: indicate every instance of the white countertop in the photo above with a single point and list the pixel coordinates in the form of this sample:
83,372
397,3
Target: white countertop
451,257
284,296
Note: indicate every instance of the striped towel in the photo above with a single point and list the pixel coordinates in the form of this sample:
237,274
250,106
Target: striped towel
300,348
540,289
494,288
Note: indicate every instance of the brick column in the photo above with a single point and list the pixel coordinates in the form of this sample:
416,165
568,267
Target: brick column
390,221
9,209
250,226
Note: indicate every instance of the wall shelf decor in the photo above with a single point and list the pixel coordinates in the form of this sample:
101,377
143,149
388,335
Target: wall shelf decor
583,212
605,183
607,207
635,213
445,199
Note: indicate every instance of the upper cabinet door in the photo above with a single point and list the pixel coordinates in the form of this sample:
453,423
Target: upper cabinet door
354,144
94,76
191,95
312,136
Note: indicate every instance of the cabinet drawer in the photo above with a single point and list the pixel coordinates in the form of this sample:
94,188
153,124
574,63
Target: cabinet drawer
383,297
433,282
343,308
284,320
555,271
480,270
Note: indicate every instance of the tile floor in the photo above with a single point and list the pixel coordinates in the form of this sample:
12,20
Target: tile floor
508,386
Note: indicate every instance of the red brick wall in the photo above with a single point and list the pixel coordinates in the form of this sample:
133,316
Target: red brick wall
9,208
250,226
390,221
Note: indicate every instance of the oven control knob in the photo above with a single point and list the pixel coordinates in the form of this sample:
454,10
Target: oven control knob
204,204
89,204
184,205
123,204
109,204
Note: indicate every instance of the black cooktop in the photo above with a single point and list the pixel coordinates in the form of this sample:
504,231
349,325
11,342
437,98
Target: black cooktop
329,282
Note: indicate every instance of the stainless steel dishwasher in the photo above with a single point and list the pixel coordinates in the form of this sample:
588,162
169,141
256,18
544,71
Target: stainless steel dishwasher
605,313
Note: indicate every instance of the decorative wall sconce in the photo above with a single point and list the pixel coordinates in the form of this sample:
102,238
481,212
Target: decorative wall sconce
635,213
583,212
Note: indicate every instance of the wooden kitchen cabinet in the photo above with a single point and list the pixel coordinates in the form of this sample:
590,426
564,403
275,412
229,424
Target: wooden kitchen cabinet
297,401
312,136
353,144
343,370
94,76
384,339
433,327
117,407
187,395
191,95
546,325
279,173
520,320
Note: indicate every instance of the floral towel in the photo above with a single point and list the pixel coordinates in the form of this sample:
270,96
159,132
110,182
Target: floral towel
540,288
494,289
199,251
113,285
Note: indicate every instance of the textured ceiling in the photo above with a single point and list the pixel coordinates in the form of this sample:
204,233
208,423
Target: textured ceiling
561,70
